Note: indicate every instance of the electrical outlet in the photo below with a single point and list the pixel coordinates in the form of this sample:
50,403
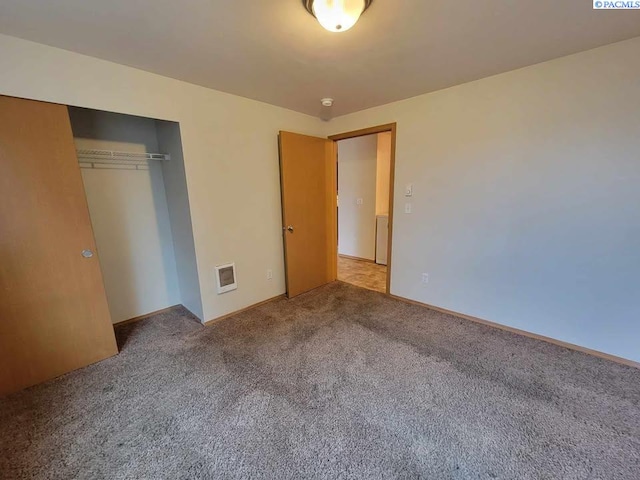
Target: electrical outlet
269,274
425,278
359,201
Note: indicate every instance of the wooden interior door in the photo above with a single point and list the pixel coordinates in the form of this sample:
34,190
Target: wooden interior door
308,183
54,316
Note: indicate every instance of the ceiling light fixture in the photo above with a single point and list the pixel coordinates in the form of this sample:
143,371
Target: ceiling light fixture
337,15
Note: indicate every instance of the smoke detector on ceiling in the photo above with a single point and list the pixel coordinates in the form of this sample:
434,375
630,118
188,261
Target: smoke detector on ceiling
327,102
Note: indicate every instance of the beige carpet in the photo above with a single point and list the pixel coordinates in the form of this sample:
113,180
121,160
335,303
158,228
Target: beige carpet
362,274
341,382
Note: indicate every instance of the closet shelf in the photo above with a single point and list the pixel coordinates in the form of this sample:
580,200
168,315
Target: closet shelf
110,157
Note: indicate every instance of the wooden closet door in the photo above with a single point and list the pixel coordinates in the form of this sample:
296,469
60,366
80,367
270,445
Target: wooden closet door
54,316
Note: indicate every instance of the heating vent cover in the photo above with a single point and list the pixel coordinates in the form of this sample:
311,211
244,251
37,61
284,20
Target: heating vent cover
226,277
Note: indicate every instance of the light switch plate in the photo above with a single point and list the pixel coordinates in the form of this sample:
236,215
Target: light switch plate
407,208
408,190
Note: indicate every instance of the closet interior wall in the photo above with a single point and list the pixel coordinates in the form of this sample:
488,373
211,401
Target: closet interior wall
140,214
175,182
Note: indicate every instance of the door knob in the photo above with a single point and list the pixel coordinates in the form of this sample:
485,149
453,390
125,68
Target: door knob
290,228
87,253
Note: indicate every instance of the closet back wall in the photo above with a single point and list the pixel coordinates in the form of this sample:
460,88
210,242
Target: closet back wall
129,215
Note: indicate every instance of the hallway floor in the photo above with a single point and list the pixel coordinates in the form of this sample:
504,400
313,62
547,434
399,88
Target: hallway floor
362,274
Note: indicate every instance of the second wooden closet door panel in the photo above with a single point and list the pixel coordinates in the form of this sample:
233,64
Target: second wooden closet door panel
54,316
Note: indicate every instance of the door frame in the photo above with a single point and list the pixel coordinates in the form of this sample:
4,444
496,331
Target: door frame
389,127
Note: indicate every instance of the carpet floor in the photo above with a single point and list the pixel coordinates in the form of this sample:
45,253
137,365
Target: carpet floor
341,382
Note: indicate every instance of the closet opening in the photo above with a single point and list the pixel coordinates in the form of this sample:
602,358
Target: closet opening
134,180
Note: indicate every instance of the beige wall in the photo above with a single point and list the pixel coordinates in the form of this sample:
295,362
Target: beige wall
383,171
357,159
526,194
230,152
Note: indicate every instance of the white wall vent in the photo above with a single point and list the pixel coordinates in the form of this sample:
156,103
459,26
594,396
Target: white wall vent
226,277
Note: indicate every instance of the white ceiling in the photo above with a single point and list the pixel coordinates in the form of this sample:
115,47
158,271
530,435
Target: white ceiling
274,51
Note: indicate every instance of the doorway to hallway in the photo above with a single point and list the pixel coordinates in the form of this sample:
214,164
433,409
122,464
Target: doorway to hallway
363,184
309,190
